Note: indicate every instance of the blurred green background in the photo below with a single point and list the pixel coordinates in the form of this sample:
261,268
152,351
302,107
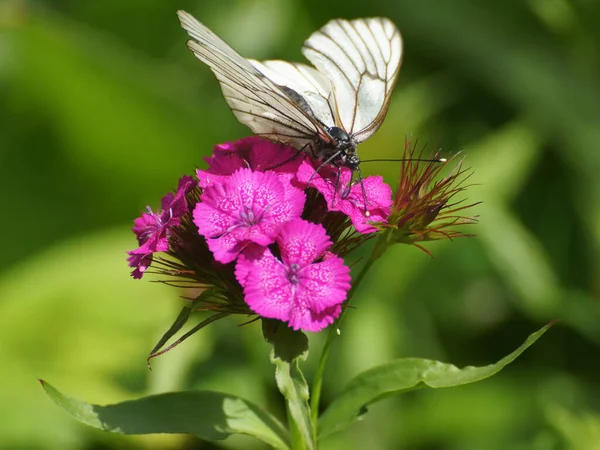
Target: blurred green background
102,109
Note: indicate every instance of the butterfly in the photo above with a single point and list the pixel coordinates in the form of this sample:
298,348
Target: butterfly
328,110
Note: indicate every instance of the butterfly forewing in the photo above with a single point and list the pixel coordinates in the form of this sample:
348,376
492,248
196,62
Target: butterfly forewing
362,59
255,100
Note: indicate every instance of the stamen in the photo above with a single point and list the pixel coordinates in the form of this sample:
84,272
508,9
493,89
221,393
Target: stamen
292,275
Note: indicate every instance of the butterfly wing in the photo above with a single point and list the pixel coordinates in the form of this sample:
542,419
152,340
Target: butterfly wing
314,88
362,59
265,107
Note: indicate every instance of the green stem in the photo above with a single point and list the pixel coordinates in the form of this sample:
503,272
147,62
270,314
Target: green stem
381,246
296,440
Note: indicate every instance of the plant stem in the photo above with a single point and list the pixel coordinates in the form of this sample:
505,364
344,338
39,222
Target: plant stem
296,439
381,245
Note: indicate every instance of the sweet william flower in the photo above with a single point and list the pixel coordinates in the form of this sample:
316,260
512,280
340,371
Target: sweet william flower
247,207
347,197
304,286
260,232
153,229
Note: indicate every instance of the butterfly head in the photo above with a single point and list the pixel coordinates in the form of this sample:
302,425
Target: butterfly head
345,147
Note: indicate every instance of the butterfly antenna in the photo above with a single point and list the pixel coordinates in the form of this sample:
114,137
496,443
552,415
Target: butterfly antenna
436,160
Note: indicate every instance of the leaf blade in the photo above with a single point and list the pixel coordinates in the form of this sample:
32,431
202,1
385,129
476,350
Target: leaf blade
403,375
209,415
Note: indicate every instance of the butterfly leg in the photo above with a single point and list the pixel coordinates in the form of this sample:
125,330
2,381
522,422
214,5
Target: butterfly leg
299,152
348,188
337,185
364,192
324,163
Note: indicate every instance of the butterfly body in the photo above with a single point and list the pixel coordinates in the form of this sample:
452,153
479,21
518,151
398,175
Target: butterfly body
342,151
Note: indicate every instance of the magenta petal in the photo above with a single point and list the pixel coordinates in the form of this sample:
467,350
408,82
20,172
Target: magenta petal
248,207
226,159
305,172
210,221
302,242
144,227
324,284
266,290
378,195
306,320
226,248
175,205
141,262
206,178
295,198
230,156
253,152
305,288
222,198
251,254
269,155
153,229
261,234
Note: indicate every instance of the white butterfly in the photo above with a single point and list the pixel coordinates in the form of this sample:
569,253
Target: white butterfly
328,111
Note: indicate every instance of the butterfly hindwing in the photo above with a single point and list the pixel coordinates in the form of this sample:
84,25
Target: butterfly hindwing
362,59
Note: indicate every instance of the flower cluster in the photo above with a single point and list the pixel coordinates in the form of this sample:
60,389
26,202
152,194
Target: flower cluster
249,220
261,232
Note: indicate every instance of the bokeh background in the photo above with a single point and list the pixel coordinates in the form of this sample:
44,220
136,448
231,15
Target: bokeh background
102,109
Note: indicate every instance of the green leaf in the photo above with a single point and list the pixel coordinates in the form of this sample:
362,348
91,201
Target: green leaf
289,347
179,322
405,375
207,414
580,429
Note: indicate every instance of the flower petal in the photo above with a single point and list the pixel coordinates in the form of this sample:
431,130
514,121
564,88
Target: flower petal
153,229
378,195
250,254
323,284
302,242
226,248
210,221
268,155
306,320
267,291
248,207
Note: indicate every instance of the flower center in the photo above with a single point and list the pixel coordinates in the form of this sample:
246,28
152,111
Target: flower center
292,274
249,217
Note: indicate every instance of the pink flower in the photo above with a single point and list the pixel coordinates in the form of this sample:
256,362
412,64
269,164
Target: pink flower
246,207
152,229
305,287
252,152
352,203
